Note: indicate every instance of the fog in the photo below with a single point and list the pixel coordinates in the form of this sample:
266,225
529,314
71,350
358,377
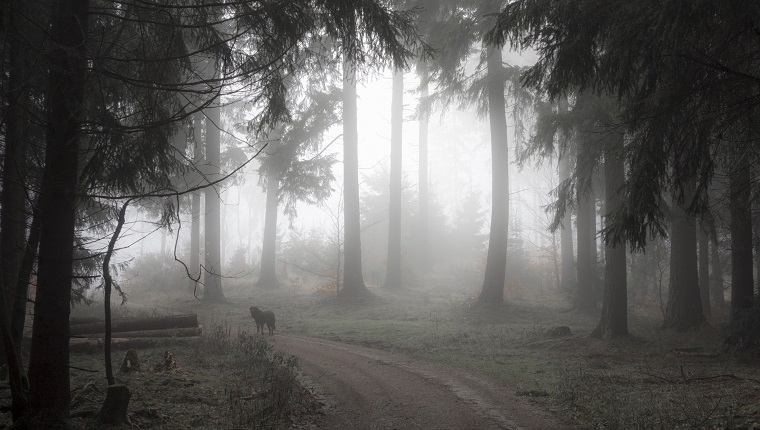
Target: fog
459,178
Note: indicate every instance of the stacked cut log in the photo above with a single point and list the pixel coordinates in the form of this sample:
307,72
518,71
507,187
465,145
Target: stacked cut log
87,335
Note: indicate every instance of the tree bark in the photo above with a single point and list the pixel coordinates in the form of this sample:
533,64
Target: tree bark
393,269
114,409
424,227
684,309
596,282
614,319
137,324
212,277
742,284
166,332
18,317
756,240
704,270
584,300
716,283
195,211
49,361
496,261
268,275
566,233
13,216
353,279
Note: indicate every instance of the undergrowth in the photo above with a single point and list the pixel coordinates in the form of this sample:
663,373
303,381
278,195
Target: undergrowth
617,398
268,392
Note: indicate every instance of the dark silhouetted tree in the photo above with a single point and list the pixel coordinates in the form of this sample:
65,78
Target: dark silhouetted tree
614,319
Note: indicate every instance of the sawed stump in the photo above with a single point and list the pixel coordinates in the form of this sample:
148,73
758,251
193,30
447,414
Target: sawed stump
114,410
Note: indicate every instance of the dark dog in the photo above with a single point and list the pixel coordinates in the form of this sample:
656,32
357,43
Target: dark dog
261,318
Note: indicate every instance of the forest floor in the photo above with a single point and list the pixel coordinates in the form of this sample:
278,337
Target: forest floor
231,378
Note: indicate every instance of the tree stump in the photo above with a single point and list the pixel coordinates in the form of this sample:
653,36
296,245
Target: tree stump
169,362
131,362
114,410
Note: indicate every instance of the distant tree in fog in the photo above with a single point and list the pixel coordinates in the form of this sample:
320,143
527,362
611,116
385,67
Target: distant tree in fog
212,267
391,53
393,267
296,167
468,224
458,28
668,85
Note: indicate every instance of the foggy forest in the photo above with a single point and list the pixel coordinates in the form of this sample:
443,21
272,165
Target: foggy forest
380,214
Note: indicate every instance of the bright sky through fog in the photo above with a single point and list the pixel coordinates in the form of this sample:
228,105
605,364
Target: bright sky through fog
459,159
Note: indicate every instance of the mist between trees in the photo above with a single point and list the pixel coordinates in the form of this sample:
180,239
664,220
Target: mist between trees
605,152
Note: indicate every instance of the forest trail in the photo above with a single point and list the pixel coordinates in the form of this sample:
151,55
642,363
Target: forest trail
365,388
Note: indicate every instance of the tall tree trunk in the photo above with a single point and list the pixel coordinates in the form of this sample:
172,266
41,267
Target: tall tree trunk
756,238
268,275
18,317
704,270
49,361
614,319
195,211
555,261
212,278
13,215
684,309
424,227
393,273
742,285
596,283
496,261
602,257
584,300
162,252
716,283
353,280
566,234
24,275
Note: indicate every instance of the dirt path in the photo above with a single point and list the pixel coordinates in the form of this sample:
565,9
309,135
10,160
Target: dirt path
365,388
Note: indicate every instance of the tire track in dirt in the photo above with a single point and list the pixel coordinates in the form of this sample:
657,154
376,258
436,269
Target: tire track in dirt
365,388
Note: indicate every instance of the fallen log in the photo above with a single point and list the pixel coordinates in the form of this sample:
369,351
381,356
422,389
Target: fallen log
91,346
167,332
137,324
84,320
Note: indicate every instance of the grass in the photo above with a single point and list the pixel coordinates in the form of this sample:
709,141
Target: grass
484,347
632,383
637,382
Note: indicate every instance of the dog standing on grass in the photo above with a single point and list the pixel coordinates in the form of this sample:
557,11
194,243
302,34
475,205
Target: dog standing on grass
261,318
